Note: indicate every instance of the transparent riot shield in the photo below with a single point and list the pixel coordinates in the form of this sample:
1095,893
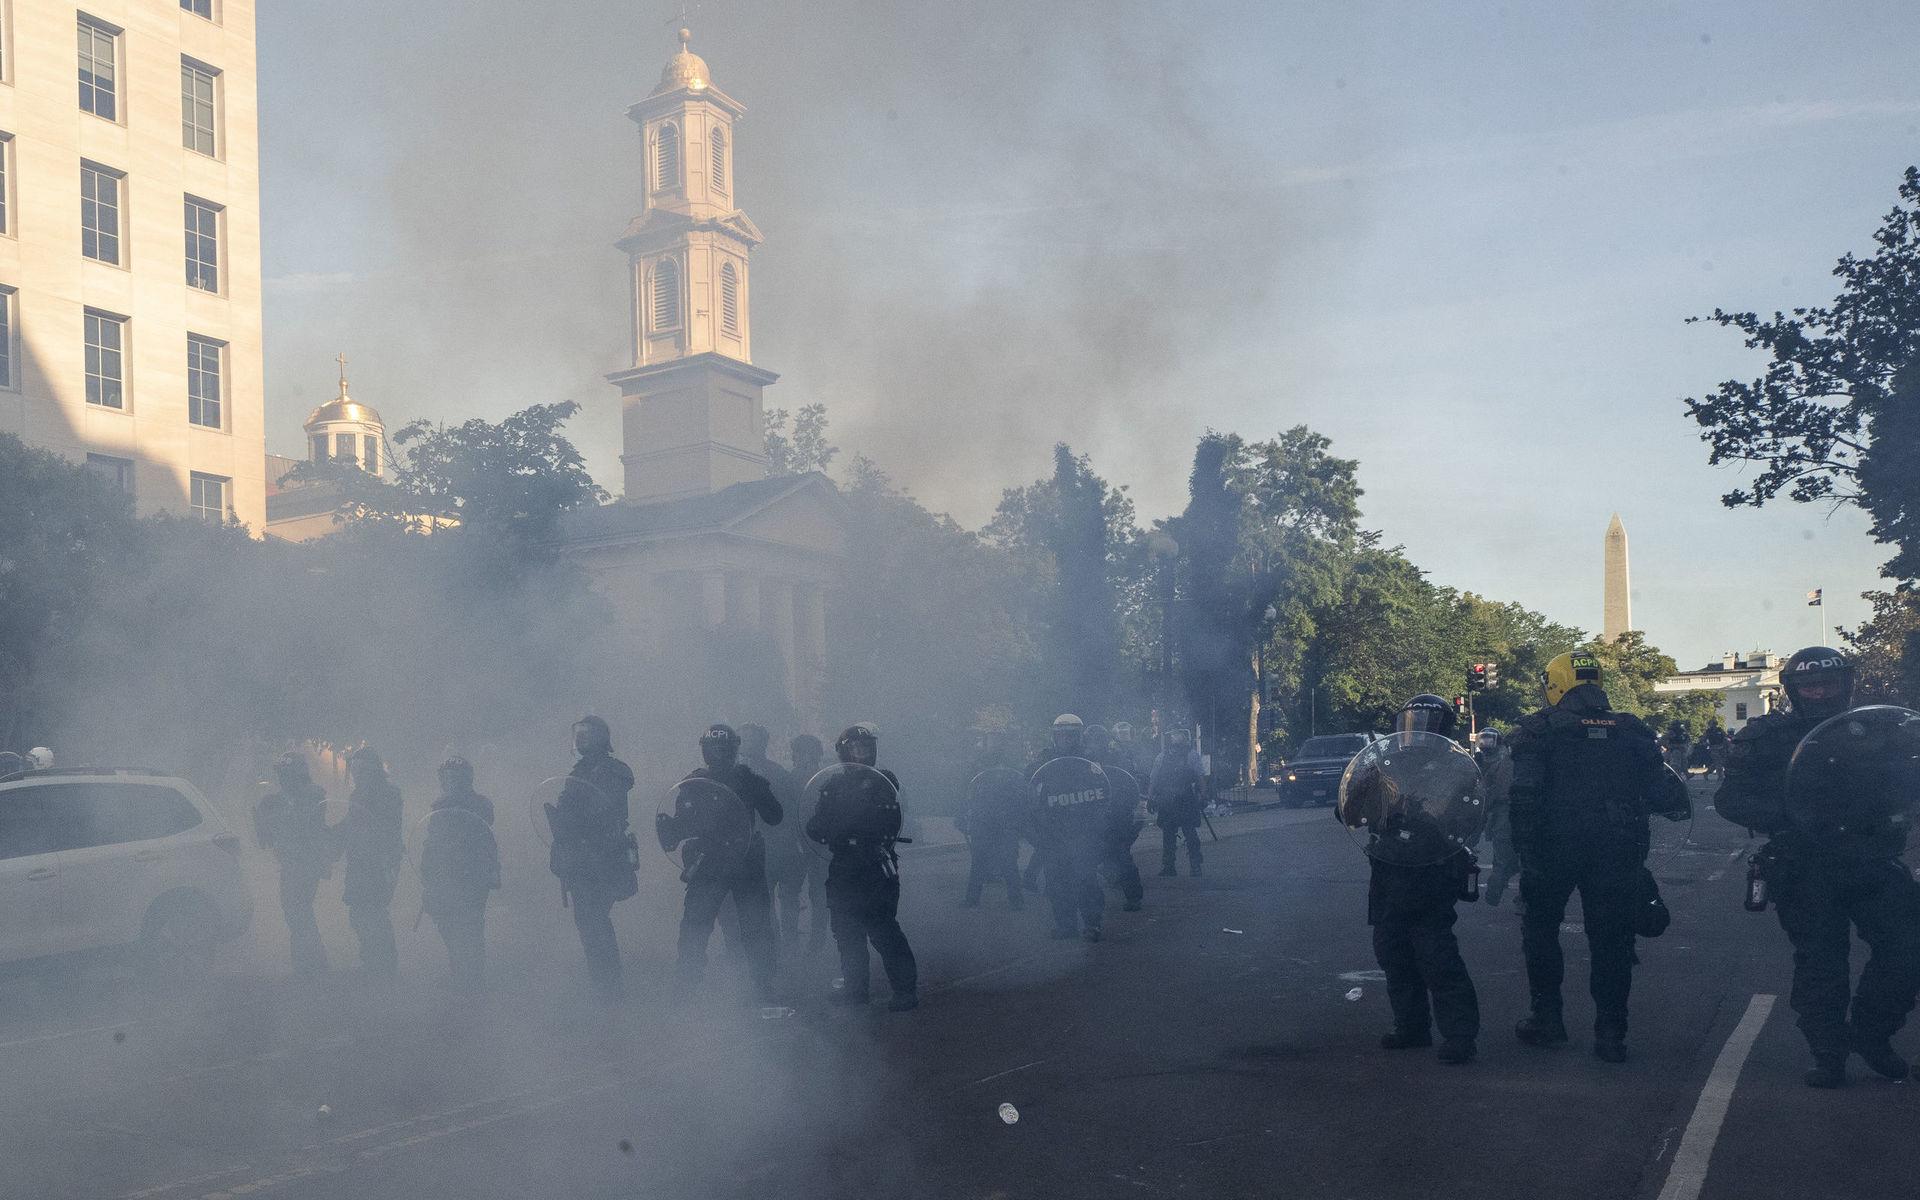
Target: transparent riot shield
453,855
996,799
1413,799
1672,832
1128,803
1073,799
702,820
562,799
1858,773
863,800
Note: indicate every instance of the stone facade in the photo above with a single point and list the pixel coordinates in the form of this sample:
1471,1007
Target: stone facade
171,144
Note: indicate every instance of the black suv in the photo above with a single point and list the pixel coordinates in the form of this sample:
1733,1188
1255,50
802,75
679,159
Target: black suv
1312,775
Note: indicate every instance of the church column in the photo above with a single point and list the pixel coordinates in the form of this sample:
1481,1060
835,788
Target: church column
777,601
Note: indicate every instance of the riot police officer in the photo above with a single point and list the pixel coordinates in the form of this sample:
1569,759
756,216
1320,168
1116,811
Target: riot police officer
786,846
1123,818
720,865
292,823
1411,892
993,820
858,818
373,845
1175,794
593,850
1073,803
459,866
1496,769
1825,875
1585,779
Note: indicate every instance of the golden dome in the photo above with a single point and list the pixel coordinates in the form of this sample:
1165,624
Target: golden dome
343,408
684,70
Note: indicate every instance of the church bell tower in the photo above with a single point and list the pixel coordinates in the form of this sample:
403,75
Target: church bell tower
693,418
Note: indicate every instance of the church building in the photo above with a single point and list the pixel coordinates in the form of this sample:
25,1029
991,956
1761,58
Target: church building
704,546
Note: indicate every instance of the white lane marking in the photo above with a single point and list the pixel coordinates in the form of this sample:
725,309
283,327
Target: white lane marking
71,1033
1689,1171
1009,1071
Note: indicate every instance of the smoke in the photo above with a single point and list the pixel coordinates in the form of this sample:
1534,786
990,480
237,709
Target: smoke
990,226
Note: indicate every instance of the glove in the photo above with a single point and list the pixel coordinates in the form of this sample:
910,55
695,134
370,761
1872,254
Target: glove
665,828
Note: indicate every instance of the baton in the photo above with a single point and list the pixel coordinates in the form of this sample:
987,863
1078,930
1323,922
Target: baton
1209,821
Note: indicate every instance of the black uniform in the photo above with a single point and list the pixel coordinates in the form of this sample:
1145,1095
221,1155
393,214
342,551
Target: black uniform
373,845
292,823
1175,789
593,856
995,815
1584,780
734,864
1411,911
858,819
459,865
1823,879
1073,809
1497,769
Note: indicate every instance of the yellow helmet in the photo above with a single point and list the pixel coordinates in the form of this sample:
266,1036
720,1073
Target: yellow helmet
1568,671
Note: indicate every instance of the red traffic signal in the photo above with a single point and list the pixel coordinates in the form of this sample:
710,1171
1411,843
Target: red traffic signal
1460,705
1477,676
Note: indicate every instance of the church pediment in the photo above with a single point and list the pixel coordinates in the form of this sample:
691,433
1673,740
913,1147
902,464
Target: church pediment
798,512
659,225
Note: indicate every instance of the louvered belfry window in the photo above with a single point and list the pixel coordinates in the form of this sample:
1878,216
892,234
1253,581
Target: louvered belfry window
719,161
669,157
666,294
729,300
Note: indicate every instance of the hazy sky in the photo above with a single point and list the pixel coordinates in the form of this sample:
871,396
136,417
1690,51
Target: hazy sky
1458,239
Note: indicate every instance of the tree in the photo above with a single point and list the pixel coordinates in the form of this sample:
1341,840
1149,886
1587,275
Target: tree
1629,671
1835,416
1887,649
805,448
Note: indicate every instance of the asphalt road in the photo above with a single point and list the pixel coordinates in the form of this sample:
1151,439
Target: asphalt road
1206,1048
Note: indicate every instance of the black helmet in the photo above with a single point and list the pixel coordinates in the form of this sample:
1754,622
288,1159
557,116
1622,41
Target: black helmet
1819,682
458,771
1426,713
720,745
806,747
291,765
754,740
858,744
599,736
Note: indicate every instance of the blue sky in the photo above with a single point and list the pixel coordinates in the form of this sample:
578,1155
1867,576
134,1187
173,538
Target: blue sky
1460,240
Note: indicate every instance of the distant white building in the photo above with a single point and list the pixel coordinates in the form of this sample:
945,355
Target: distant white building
1748,687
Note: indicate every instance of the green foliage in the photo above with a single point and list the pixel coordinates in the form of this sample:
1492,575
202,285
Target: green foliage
1886,649
1835,416
805,447
1629,669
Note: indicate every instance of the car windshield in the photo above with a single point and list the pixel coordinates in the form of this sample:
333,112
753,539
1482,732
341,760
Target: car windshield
1333,747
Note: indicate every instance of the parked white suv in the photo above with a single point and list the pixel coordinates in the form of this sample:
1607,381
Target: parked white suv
93,858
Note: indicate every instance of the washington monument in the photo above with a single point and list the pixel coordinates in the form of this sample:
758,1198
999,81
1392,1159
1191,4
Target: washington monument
1617,616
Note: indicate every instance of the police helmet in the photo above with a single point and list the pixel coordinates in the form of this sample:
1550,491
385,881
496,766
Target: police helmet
1122,731
1427,713
1096,736
806,748
291,765
858,743
367,759
1819,682
1489,739
1568,671
754,739
599,735
457,770
1069,733
41,758
720,737
1181,737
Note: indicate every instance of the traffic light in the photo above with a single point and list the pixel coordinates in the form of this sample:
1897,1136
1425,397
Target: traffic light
1460,706
1477,680
1493,675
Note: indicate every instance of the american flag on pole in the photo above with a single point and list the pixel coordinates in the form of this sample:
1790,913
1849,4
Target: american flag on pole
1815,598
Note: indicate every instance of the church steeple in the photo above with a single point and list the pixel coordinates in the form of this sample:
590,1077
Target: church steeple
694,419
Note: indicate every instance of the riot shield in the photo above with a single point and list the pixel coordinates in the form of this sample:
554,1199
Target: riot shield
560,798
1857,773
996,797
702,820
1413,799
878,820
1073,799
1673,804
1128,804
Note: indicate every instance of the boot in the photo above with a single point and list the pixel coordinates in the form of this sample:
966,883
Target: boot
1829,1071
1401,1039
904,1002
1168,872
1609,1047
1876,1053
1541,1029
1457,1050
1130,906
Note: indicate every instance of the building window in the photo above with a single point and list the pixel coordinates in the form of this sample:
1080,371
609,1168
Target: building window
204,364
199,8
99,74
100,212
207,496
116,471
7,301
345,449
668,159
370,453
1740,711
666,295
6,183
318,447
729,300
719,161
203,244
196,107
106,359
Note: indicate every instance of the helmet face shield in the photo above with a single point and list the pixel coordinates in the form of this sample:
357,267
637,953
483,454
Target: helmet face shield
1818,682
1427,714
